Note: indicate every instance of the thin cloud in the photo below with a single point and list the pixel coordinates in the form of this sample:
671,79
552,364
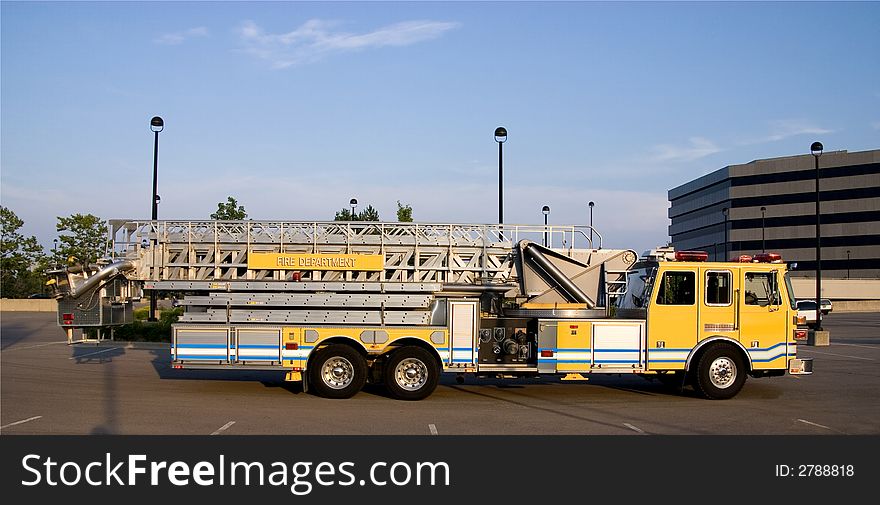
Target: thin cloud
698,147
316,39
785,128
173,39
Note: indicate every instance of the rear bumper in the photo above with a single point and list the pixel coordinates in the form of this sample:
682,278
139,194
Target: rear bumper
800,366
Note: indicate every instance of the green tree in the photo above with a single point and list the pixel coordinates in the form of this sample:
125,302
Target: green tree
230,211
368,214
404,213
21,259
84,238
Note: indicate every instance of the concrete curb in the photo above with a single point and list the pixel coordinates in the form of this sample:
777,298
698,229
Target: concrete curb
124,344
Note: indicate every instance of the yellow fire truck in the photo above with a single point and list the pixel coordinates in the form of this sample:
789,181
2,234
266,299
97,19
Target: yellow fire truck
339,304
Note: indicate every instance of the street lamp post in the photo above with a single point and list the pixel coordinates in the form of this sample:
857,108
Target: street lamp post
816,150
500,137
354,203
725,211
763,247
156,125
55,250
591,223
847,263
546,211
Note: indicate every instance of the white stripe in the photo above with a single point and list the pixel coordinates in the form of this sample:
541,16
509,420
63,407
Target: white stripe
634,428
34,346
814,424
841,355
859,345
20,422
93,353
223,428
433,429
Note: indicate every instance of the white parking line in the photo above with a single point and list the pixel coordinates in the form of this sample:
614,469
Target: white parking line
223,428
634,428
815,424
93,353
35,346
433,429
875,347
20,422
833,354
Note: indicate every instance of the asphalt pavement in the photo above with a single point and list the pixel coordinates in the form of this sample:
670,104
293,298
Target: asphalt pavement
49,387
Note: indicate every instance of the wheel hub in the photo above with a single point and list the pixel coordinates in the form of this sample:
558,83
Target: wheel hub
337,372
722,372
411,374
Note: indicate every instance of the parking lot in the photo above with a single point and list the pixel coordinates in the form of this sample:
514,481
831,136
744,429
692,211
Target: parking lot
49,387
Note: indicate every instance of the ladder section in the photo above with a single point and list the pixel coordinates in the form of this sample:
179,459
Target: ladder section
409,252
374,307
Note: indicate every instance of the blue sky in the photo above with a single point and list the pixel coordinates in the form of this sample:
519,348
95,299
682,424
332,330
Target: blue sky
294,108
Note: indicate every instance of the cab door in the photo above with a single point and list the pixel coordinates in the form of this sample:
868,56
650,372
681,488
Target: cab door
763,318
672,317
717,305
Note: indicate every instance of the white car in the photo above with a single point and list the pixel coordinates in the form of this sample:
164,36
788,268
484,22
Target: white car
807,309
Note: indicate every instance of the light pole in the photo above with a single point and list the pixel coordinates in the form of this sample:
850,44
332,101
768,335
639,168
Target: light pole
156,125
725,211
546,211
500,137
847,263
55,250
354,203
591,223
763,247
816,150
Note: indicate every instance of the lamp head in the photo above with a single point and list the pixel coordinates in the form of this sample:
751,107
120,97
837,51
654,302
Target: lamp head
500,134
546,210
816,148
157,124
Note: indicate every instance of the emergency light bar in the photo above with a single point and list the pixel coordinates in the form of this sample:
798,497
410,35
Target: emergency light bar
691,256
768,258
743,258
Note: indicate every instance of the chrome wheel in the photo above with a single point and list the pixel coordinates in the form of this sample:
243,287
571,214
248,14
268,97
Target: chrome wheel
722,372
337,372
411,374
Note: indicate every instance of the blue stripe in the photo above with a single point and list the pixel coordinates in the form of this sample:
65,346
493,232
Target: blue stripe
574,350
462,349
768,359
221,357
442,348
663,349
767,349
572,361
461,361
616,361
201,346
248,358
547,360
668,360
258,346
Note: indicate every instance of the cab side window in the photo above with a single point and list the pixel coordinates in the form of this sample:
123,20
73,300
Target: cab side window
677,288
758,287
718,288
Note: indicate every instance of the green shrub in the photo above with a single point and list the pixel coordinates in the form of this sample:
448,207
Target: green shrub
144,331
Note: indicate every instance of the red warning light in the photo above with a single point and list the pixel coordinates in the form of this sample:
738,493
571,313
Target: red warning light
691,256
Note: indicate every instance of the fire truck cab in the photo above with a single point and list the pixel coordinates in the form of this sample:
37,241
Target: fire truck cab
713,323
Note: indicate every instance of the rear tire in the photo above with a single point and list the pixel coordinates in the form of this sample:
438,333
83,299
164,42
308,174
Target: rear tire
411,373
721,372
337,371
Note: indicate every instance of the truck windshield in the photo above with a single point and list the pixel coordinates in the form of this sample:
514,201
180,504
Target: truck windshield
791,299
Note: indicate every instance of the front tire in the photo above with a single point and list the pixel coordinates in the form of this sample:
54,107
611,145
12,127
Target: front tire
411,373
720,373
337,371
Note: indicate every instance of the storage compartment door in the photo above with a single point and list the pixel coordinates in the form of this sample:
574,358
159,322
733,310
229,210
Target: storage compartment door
200,345
463,328
618,345
258,346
